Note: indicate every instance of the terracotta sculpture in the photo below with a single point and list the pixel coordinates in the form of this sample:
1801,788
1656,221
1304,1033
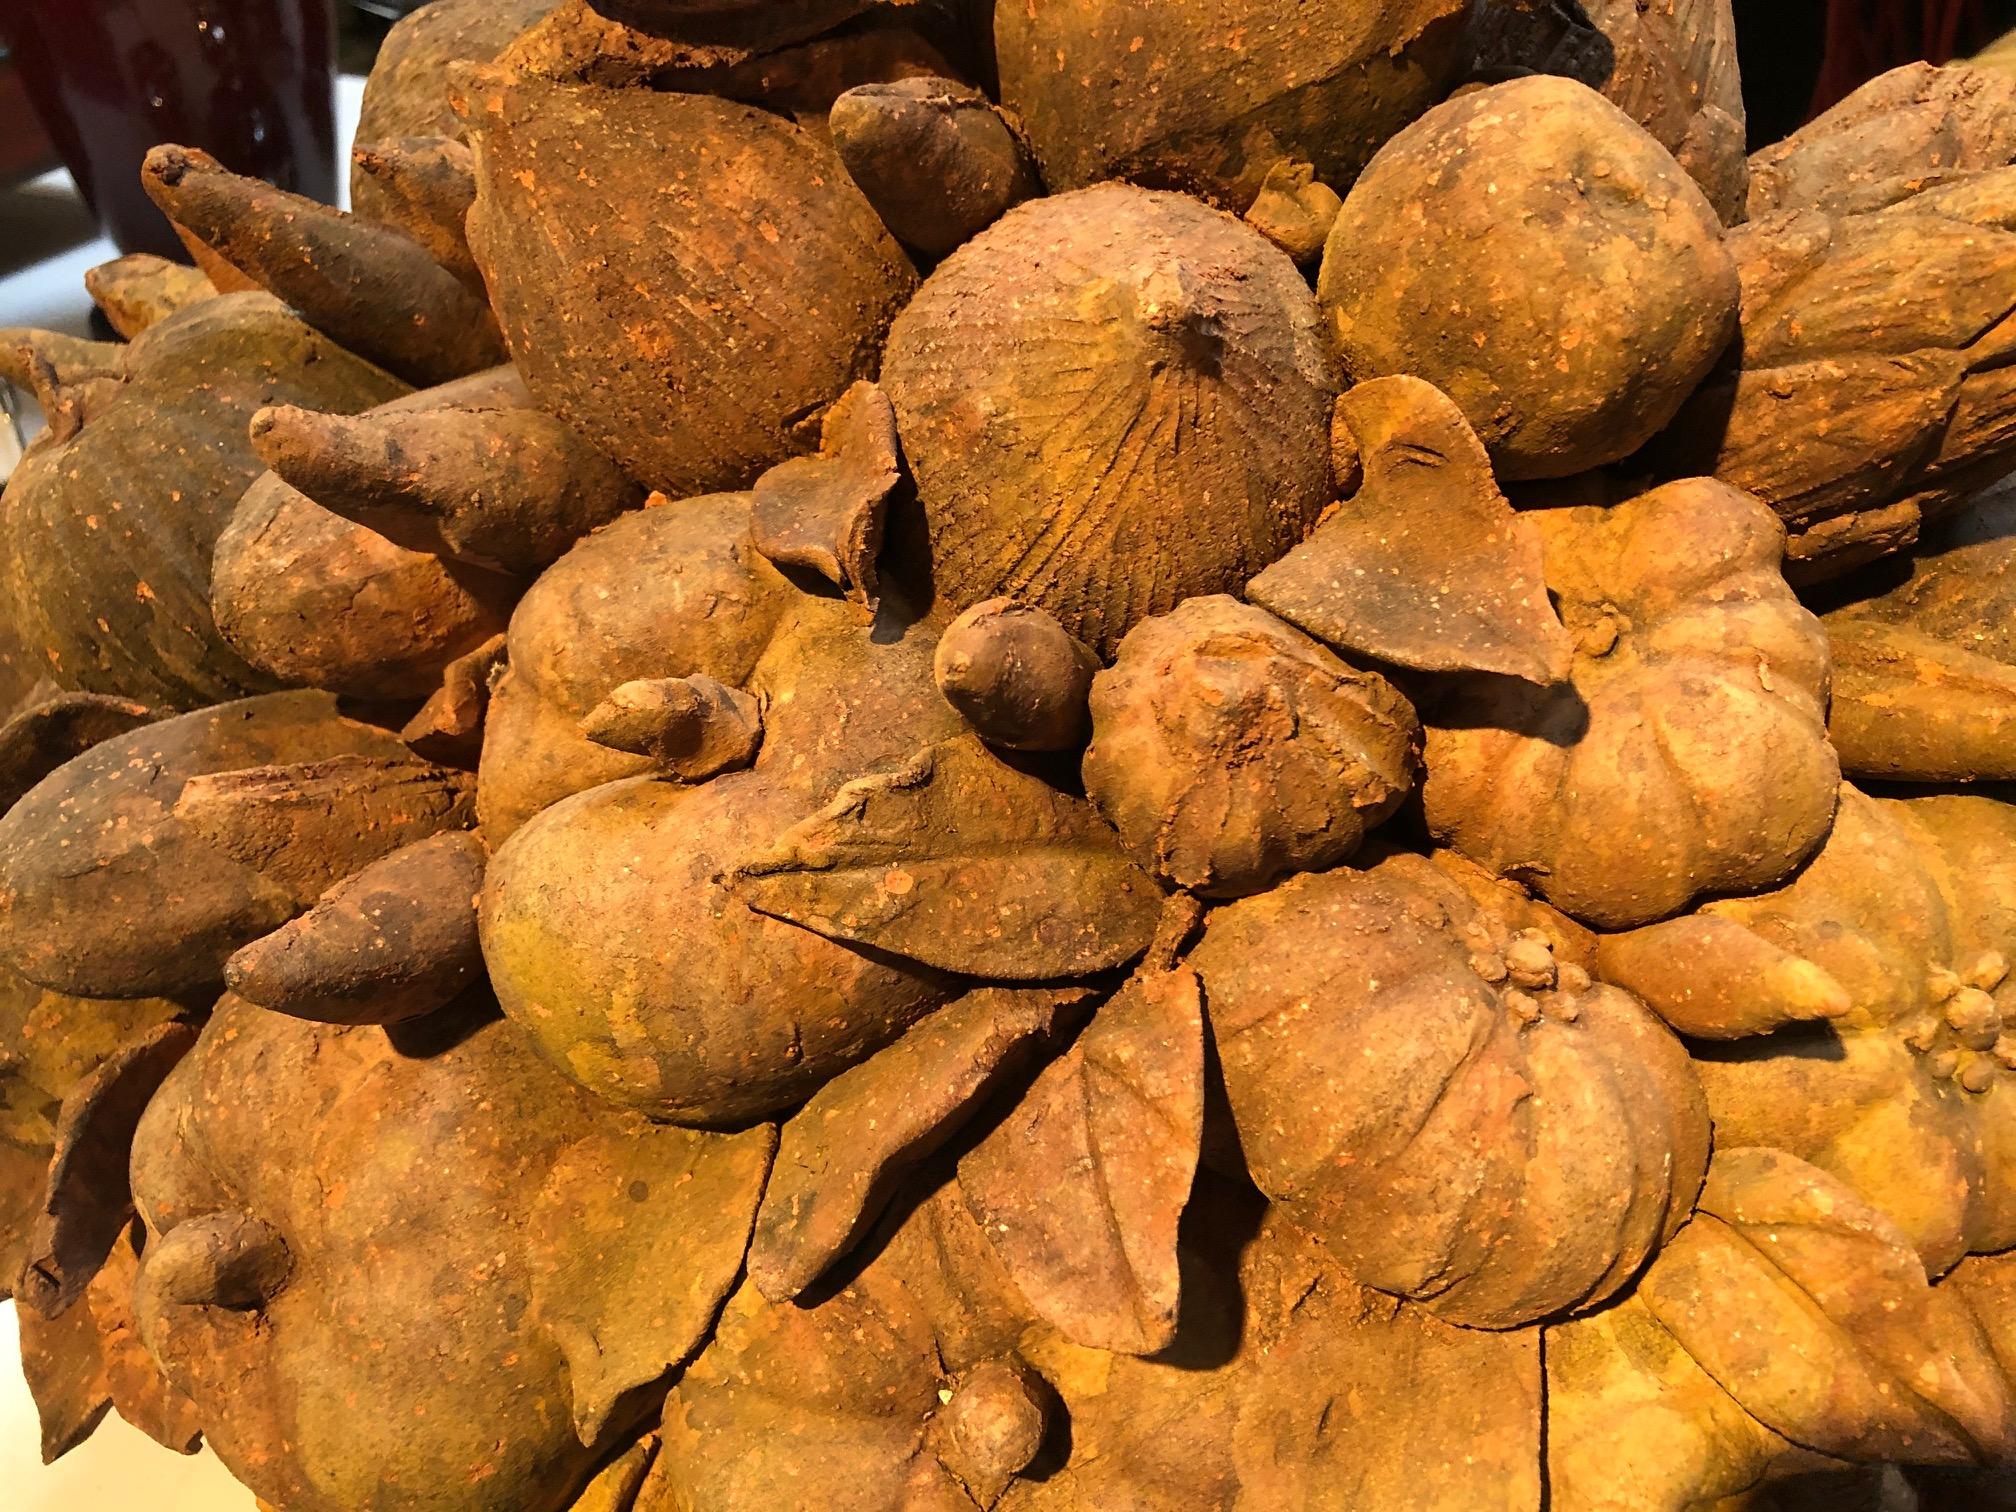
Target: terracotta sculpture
905,756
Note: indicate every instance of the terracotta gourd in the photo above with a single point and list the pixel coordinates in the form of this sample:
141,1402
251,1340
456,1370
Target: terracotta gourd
1460,1165
116,599
1861,1005
676,413
1076,874
1697,693
406,94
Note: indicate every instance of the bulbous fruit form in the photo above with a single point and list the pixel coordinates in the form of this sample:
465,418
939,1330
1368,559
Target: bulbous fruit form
934,157
111,518
774,281
1208,96
321,1235
1866,1000
406,94
1533,253
55,1044
673,590
309,597
1786,1330
1112,401
1017,676
315,599
1687,751
1508,1141
1229,749
651,984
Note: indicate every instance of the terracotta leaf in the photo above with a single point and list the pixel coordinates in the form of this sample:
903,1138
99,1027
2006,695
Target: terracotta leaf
141,1393
826,513
869,1127
1426,565
449,727
962,862
1363,1401
88,1200
65,1368
1810,1308
1634,1421
294,824
1081,1188
616,1485
635,1242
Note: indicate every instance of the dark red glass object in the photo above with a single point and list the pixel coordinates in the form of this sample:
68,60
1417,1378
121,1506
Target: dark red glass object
250,81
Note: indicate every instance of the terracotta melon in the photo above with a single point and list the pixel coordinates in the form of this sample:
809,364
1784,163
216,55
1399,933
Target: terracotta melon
1687,751
1081,391
1624,294
1511,1142
1862,1009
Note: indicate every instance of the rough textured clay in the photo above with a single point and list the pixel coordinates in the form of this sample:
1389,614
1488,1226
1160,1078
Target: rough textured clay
326,1297
1923,685
766,321
1229,749
1869,392
1685,754
1208,97
1537,211
1458,1168
1070,876
1670,65
105,547
1069,380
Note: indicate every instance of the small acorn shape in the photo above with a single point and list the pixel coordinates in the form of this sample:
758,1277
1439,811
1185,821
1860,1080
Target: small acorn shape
1020,679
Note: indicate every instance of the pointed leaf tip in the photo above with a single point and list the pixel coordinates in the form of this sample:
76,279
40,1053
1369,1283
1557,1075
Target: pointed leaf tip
1427,565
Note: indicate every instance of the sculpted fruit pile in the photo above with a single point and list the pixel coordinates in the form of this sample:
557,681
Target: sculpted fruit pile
1062,756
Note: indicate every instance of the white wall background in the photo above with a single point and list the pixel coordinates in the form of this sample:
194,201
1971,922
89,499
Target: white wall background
118,1466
